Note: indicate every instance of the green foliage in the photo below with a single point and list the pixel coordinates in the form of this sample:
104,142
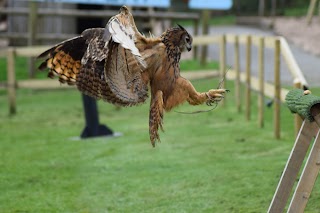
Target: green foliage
296,11
215,21
223,20
284,7
207,162
293,8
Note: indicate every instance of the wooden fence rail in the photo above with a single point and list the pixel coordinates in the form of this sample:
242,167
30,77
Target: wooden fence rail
33,13
258,84
100,13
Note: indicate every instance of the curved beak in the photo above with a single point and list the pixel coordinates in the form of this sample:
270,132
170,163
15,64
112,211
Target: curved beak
189,47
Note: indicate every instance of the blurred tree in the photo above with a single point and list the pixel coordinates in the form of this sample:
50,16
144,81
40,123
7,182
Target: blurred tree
273,7
261,7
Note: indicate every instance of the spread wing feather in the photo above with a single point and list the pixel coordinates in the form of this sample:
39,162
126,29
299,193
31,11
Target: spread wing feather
92,80
95,45
64,60
94,83
125,64
123,75
123,31
103,62
123,34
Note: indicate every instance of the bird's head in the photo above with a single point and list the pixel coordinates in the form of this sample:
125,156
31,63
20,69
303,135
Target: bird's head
185,39
177,37
124,9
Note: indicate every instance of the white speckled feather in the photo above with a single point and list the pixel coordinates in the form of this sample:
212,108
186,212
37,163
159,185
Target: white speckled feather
125,36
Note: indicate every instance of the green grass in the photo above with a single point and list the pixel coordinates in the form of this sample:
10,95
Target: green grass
193,65
208,162
21,64
297,8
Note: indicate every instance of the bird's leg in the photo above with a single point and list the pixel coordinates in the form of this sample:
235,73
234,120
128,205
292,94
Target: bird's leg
155,116
184,91
196,98
215,96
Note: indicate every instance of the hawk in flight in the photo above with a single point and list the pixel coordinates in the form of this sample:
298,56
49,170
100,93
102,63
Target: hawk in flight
118,64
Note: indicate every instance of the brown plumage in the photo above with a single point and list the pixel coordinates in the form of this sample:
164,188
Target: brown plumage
118,64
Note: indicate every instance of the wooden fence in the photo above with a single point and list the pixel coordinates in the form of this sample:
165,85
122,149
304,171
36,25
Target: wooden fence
274,91
33,13
34,35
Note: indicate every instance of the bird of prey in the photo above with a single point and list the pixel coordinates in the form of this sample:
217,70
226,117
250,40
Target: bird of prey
119,65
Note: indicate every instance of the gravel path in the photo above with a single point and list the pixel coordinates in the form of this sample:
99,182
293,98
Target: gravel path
299,33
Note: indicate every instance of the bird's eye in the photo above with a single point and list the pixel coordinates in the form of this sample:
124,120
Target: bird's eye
187,39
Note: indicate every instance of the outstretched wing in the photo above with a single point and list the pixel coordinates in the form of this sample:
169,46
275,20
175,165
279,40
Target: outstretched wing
124,32
103,62
125,64
80,61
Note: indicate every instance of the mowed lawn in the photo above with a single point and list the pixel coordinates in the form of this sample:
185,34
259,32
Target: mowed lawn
207,162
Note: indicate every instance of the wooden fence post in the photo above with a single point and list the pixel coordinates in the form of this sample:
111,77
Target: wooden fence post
152,21
292,167
308,106
319,11
277,89
237,70
311,9
261,83
205,30
222,58
11,81
307,179
195,33
248,78
32,28
223,62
